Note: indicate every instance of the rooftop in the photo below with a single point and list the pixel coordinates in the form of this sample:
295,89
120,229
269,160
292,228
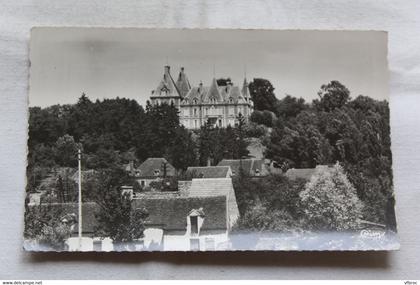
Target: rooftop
208,171
252,167
208,187
153,167
176,210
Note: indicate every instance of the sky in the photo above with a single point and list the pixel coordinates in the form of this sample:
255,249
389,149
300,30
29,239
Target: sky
129,62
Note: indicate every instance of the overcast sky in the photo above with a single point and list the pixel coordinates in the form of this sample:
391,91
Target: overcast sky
106,63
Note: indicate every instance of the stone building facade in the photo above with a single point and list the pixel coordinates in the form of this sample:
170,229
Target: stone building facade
219,105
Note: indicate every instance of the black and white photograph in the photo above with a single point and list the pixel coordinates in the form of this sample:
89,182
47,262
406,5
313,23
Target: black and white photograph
208,140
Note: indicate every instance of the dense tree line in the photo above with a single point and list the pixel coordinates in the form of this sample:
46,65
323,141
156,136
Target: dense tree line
333,128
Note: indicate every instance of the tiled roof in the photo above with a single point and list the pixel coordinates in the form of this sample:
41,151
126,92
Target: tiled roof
249,166
210,187
89,209
208,171
171,213
150,165
215,187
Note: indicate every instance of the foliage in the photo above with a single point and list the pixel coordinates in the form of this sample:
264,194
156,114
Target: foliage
330,201
332,95
290,107
223,81
116,218
215,144
266,118
262,94
42,223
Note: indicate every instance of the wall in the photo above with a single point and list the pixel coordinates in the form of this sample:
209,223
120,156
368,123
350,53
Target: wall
400,18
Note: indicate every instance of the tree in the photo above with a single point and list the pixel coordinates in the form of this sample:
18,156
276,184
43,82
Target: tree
330,201
223,81
332,95
66,151
289,106
43,223
298,143
265,117
262,94
181,151
116,218
242,144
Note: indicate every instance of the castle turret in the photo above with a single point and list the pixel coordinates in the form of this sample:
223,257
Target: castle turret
182,83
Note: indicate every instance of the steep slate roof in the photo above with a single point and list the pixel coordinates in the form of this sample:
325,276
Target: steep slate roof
167,83
182,83
89,209
195,93
172,213
208,171
222,94
148,167
249,166
213,93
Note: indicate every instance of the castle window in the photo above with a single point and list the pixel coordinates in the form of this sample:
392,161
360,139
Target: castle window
195,101
195,112
230,100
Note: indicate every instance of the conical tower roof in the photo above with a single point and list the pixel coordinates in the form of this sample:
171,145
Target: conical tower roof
182,83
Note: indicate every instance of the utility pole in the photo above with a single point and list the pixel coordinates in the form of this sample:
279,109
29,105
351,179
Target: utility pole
79,158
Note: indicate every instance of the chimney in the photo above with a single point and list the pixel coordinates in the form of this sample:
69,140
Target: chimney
167,69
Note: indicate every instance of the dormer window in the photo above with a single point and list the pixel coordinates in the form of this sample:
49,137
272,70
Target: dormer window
195,101
156,172
230,100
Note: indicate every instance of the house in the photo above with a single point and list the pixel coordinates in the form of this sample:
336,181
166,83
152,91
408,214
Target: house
209,172
185,223
198,218
250,167
154,169
218,105
304,173
213,187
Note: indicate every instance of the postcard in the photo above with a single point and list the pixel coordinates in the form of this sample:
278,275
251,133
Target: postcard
208,140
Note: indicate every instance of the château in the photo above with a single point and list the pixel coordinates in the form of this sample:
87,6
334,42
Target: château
217,105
